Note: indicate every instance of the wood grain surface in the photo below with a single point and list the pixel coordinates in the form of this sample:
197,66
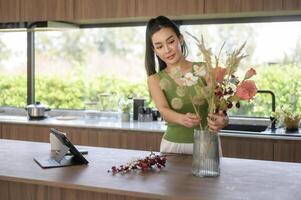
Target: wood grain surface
239,179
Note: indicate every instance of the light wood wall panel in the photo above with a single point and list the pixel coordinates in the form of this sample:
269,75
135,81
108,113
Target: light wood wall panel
93,9
251,6
291,4
39,10
222,6
9,10
103,9
272,5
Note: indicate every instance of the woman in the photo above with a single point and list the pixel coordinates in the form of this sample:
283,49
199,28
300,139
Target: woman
164,40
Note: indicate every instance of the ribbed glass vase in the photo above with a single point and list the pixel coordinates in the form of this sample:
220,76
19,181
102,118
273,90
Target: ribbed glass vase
206,158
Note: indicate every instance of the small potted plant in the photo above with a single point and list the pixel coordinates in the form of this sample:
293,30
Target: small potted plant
125,107
289,118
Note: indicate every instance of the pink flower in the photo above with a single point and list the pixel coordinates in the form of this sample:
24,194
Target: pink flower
246,90
251,72
219,73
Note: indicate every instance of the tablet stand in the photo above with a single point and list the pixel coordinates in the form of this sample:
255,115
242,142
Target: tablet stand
62,158
61,153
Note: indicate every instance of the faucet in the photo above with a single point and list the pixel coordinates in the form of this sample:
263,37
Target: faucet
273,121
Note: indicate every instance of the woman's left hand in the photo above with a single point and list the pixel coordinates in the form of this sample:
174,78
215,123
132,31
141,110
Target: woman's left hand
217,121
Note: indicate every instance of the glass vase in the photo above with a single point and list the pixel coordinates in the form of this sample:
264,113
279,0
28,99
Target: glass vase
206,157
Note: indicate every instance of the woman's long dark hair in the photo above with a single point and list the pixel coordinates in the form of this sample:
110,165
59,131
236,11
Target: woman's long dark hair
153,26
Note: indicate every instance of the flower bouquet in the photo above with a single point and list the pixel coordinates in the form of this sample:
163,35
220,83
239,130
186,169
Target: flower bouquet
215,84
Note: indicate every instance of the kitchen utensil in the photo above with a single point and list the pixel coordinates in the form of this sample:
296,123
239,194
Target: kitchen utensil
37,110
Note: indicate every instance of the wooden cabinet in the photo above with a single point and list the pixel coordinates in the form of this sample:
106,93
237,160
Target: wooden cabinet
291,4
39,10
176,8
240,147
287,150
115,9
236,147
103,9
36,10
222,6
86,136
9,10
94,11
262,149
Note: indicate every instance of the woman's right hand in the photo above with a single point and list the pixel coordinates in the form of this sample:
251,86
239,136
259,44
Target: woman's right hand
190,120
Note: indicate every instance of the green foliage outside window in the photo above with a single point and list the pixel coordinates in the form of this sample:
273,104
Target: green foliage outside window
70,93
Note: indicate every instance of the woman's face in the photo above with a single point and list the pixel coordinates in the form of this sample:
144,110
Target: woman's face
167,45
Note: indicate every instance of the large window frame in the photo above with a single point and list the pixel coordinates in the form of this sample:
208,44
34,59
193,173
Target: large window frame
31,38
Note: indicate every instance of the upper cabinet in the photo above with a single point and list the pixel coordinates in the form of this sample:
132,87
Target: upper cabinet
135,9
39,10
9,10
89,11
36,10
103,9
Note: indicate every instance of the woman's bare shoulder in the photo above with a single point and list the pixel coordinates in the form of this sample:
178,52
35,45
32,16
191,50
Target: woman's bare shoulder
153,78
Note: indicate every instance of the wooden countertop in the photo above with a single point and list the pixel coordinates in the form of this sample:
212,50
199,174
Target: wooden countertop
239,179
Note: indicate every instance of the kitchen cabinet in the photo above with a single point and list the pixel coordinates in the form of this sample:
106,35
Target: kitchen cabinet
146,8
287,150
124,139
251,148
103,9
235,147
9,10
40,10
292,5
272,5
222,6
116,9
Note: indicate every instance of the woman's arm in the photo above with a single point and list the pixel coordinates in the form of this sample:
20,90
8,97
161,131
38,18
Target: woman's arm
189,119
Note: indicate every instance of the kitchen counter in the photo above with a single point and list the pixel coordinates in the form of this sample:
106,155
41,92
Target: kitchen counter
154,126
22,178
81,122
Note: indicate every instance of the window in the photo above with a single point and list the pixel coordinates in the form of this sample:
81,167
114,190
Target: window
78,66
13,62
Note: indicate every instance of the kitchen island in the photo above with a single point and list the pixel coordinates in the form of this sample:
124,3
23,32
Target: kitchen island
147,136
22,178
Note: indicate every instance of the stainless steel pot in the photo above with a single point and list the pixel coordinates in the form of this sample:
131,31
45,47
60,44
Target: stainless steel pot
37,110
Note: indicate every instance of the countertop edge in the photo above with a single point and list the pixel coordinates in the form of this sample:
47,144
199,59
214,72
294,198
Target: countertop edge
155,127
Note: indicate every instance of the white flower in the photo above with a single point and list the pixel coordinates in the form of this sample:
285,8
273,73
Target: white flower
189,79
199,70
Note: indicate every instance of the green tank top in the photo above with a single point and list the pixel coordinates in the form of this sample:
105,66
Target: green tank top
179,101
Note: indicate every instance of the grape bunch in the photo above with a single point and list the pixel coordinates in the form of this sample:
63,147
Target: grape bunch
144,164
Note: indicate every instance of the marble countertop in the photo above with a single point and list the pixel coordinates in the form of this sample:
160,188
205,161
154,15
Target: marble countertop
81,122
154,126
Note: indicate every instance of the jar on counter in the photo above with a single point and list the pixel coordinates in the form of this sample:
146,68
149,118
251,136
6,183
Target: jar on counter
91,110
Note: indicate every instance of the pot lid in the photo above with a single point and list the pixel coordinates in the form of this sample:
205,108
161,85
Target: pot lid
36,105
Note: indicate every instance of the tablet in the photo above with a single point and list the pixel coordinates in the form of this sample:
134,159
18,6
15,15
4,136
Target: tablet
63,158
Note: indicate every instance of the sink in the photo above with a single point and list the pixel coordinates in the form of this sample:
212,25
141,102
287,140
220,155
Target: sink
245,128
